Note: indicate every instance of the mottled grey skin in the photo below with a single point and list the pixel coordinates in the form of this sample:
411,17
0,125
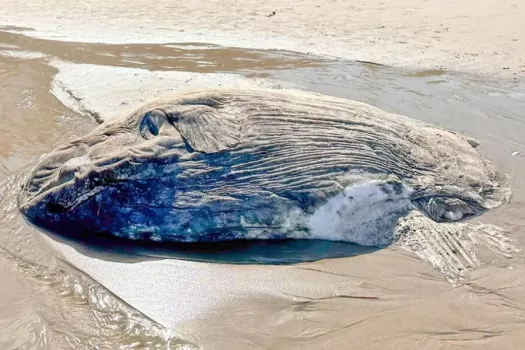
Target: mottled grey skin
220,164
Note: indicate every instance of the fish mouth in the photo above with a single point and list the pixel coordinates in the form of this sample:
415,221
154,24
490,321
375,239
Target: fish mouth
48,187
55,175
61,192
50,213
38,186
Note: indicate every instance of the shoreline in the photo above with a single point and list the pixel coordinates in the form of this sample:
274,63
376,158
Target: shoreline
483,40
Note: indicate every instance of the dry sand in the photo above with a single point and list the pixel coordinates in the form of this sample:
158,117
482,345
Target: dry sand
485,37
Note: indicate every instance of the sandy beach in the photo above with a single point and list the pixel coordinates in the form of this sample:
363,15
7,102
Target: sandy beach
483,39
64,68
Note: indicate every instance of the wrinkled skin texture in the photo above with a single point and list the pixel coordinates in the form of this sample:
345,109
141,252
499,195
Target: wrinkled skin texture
215,164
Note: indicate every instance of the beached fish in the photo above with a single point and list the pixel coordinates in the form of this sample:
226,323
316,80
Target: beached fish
224,164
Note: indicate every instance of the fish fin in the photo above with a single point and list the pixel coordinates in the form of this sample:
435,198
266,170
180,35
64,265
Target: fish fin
451,248
204,128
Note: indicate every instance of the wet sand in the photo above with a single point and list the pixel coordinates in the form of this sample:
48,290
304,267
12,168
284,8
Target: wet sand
45,303
381,299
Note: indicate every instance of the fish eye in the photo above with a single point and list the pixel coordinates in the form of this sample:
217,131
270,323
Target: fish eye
150,124
447,209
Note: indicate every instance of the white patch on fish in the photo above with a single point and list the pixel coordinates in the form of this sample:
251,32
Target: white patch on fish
363,213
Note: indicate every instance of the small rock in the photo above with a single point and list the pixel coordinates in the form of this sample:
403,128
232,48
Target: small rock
515,153
273,13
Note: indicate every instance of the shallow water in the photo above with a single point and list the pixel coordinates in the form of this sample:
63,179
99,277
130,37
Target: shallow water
47,303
